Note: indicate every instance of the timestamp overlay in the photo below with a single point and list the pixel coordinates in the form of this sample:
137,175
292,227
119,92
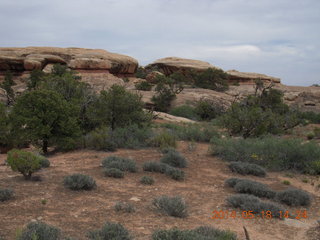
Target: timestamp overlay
226,214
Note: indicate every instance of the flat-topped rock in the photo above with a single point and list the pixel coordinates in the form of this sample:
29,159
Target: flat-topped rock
30,58
170,65
235,75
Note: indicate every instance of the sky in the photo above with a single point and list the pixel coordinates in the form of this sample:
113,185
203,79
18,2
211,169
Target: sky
280,38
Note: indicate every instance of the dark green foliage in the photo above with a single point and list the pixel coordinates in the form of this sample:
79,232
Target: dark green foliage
272,152
40,231
172,206
141,73
37,77
214,79
147,180
166,90
174,173
231,182
44,162
174,159
6,138
143,86
310,117
185,111
24,162
207,109
113,172
247,169
123,164
124,207
200,233
248,202
110,231
155,167
43,115
6,194
7,86
293,197
79,182
254,188
164,139
118,107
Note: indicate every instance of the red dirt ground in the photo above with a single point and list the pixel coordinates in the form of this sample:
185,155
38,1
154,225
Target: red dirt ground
78,212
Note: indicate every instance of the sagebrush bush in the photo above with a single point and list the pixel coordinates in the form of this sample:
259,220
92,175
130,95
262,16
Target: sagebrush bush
211,233
293,197
123,164
247,169
231,182
124,207
6,194
164,140
24,162
185,111
272,152
114,231
247,202
174,159
172,206
44,162
79,182
154,167
254,188
147,180
39,231
113,172
174,173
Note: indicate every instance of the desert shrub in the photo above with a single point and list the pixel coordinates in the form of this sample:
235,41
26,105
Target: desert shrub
79,182
24,162
44,162
247,169
124,207
141,73
248,202
174,159
212,78
231,182
271,152
286,182
172,206
207,109
254,188
211,233
6,194
155,167
174,173
114,231
39,231
113,172
123,164
310,117
185,111
143,86
147,180
293,197
310,135
164,140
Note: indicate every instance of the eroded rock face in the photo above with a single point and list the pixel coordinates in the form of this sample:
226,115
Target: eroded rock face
170,65
30,58
245,77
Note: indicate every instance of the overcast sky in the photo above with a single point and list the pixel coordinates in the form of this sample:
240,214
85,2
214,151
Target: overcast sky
280,38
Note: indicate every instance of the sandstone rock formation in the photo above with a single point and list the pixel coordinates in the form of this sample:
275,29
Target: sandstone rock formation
245,77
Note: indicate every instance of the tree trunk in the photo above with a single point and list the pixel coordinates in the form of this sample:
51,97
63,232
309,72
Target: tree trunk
45,145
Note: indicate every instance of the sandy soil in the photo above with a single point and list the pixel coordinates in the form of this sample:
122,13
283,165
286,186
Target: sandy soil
78,212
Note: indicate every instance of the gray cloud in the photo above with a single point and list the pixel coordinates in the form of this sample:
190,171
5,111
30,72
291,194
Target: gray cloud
280,38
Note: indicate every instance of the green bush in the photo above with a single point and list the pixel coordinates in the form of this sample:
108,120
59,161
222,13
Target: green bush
44,162
185,111
113,172
212,78
6,194
248,202
143,86
247,169
114,231
172,206
211,233
175,173
174,159
147,180
123,164
155,167
124,207
311,117
254,188
24,162
39,231
293,197
164,140
231,182
79,182
141,73
207,109
271,152
286,182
